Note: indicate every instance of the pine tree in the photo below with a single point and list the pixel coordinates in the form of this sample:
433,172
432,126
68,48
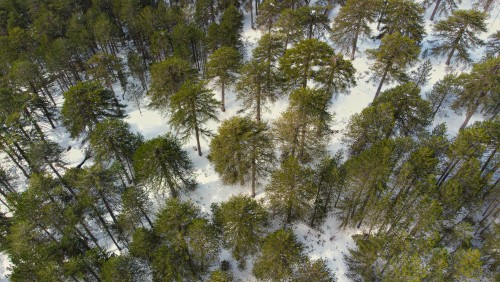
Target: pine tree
166,79
112,140
281,255
351,23
459,33
242,148
304,60
480,90
303,130
261,81
192,107
312,21
242,221
85,105
404,17
220,276
161,161
106,69
291,191
329,182
411,113
122,268
443,92
269,12
188,246
224,63
493,45
230,28
421,75
316,270
395,54
441,7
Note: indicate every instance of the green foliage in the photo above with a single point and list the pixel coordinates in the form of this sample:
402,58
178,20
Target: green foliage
404,17
303,130
351,23
394,55
314,59
493,45
443,92
161,162
291,191
281,255
441,7
459,33
122,268
261,81
85,105
224,63
483,77
316,270
220,276
192,107
112,140
166,79
242,221
230,28
241,148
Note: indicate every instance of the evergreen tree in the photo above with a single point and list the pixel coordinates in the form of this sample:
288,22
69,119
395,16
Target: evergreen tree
112,140
351,23
106,69
443,92
166,79
242,221
493,45
312,21
421,75
242,147
85,105
230,28
260,80
188,246
303,130
122,268
269,12
393,56
291,190
192,107
441,7
220,276
404,17
316,270
161,161
281,256
329,182
459,33
480,90
224,63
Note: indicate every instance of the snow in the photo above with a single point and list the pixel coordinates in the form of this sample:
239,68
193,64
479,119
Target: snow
331,242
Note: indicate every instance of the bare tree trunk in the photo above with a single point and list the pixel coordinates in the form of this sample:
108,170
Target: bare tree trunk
382,81
435,9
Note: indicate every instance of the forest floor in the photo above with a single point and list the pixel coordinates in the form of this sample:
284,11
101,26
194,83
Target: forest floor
328,242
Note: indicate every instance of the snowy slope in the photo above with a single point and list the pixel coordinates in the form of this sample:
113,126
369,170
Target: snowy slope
330,243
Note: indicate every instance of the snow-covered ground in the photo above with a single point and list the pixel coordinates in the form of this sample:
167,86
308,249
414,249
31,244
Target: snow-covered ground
330,242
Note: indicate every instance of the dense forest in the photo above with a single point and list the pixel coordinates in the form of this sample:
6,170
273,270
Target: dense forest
423,202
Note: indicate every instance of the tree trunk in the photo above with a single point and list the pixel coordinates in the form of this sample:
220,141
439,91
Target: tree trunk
435,9
450,55
25,173
254,176
196,129
354,43
258,102
469,115
386,70
251,13
223,102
